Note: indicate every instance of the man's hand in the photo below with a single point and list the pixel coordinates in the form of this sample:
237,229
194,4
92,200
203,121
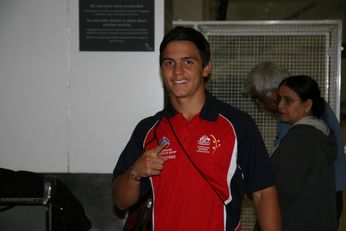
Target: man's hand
150,163
125,188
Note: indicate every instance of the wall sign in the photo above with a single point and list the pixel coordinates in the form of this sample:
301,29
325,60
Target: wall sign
116,25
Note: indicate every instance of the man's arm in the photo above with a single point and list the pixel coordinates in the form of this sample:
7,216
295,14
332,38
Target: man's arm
267,209
125,190
126,187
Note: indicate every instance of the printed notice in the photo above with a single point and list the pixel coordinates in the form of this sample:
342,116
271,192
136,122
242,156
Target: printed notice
116,25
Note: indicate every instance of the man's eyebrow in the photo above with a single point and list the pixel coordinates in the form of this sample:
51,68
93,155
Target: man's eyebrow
182,58
189,57
165,59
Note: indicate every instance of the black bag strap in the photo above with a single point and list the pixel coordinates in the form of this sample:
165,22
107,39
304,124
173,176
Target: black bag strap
139,216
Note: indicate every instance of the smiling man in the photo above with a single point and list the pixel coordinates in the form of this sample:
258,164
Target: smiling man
198,156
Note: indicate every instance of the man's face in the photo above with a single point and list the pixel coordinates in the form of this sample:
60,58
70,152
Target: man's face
182,69
265,102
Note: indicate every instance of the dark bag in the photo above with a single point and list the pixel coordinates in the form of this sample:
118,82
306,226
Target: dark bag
139,217
68,212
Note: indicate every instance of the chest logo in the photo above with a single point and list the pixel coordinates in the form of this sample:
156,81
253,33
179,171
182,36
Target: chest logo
207,144
167,151
164,140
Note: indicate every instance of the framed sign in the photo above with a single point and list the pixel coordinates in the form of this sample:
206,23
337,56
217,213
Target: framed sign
116,25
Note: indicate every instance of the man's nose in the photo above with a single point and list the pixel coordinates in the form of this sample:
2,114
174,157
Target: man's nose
178,68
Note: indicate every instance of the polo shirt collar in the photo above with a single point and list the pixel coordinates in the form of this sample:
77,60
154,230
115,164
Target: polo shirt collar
209,110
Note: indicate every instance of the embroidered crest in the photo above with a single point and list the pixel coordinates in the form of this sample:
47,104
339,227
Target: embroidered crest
167,151
164,140
207,144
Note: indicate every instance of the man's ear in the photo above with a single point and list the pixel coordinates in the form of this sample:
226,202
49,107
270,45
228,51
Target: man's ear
207,69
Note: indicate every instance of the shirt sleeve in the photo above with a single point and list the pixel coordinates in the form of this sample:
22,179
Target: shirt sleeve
253,157
133,149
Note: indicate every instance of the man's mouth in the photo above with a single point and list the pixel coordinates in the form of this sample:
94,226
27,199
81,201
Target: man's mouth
180,81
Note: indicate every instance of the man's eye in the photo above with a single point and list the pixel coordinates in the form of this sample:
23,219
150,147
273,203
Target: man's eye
168,63
189,61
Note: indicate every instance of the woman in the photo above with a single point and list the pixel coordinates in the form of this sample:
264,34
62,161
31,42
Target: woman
303,163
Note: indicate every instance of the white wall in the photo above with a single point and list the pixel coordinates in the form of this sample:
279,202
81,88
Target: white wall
62,110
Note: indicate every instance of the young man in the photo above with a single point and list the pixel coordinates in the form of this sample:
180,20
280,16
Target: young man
198,156
262,85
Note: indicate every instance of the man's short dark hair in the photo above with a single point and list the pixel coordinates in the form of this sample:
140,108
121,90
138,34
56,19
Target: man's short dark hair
180,33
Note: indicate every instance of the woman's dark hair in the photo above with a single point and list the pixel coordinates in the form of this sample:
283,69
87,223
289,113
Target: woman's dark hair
306,88
180,33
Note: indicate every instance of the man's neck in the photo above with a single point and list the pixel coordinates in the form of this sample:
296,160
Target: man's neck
189,107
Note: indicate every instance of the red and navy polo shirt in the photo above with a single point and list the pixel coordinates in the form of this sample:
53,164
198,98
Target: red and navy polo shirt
213,159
